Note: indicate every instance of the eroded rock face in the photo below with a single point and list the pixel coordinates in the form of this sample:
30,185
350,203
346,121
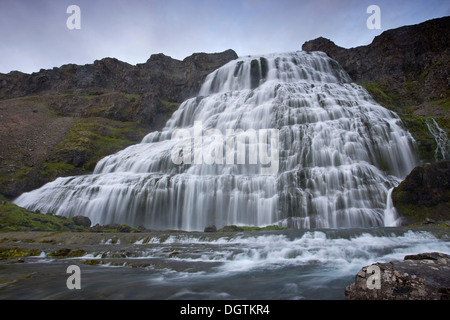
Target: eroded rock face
61,121
411,61
172,79
424,276
425,193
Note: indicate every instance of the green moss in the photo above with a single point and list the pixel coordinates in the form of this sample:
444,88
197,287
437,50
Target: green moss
57,169
15,218
427,70
19,175
132,98
67,253
170,106
414,213
426,143
382,94
10,253
443,103
266,228
92,262
90,140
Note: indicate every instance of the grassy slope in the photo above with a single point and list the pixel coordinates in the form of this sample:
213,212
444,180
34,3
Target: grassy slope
426,144
14,218
415,124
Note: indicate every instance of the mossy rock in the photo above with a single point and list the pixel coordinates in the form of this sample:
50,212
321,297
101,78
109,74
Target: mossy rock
11,253
425,193
67,253
15,218
231,228
90,140
426,142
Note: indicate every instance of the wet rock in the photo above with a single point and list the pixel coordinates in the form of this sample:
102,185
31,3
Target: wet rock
82,221
211,228
424,195
398,57
124,228
231,228
429,221
112,227
67,253
96,228
425,276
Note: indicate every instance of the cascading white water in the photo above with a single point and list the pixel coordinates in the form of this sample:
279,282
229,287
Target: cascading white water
337,155
442,151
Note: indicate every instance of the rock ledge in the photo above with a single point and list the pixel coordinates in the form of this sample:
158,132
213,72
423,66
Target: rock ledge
424,276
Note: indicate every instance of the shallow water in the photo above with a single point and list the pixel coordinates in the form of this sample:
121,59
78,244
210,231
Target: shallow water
277,265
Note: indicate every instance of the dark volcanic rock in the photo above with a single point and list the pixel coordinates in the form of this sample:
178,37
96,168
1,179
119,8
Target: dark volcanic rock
411,62
62,121
425,193
424,276
104,88
211,228
82,221
168,78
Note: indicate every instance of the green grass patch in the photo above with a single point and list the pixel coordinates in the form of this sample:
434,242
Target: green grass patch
57,169
443,103
90,140
11,253
15,218
382,95
170,106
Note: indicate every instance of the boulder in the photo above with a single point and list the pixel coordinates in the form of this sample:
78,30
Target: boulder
231,228
211,228
82,221
424,195
424,276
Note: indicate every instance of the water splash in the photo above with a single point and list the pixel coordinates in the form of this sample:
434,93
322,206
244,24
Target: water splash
339,155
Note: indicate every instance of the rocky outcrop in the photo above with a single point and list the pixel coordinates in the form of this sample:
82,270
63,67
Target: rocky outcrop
424,276
172,79
82,221
411,63
424,194
62,121
111,82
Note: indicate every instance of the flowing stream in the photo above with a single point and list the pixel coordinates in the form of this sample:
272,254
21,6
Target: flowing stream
276,265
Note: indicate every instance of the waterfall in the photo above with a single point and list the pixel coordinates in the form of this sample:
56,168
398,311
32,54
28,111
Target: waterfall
281,139
442,151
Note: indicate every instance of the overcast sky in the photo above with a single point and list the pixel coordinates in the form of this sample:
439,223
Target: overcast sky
34,34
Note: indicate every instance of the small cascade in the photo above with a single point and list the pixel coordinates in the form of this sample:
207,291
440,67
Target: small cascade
442,151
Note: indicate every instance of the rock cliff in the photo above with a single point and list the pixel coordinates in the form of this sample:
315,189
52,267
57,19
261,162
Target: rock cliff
62,121
410,63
